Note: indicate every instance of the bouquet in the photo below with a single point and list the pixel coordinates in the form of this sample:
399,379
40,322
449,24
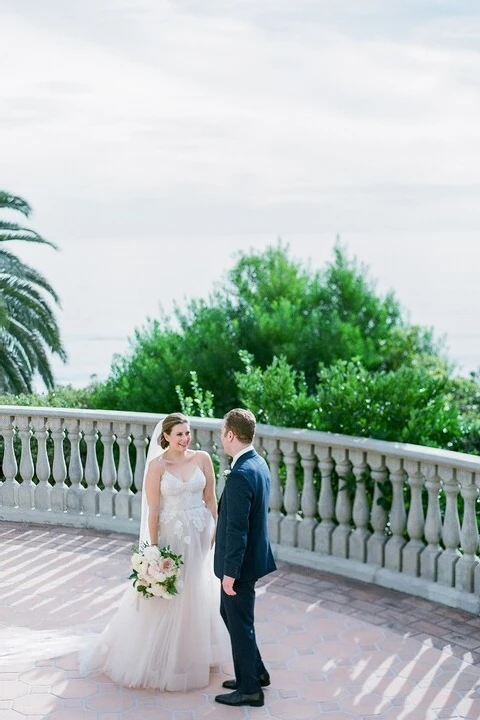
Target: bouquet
155,572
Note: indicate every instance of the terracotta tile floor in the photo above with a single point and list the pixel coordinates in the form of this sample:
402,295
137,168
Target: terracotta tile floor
336,649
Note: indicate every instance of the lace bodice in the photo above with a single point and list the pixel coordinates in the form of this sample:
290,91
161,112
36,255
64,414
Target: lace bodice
182,493
182,501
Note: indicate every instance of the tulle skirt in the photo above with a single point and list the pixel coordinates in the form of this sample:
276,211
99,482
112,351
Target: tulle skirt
167,644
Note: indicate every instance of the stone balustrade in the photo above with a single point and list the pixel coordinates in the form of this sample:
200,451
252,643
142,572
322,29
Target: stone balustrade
401,516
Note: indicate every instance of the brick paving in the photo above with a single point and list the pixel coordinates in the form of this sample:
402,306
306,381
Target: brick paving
336,648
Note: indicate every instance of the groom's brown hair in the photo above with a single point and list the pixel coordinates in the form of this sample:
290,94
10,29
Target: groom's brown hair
242,423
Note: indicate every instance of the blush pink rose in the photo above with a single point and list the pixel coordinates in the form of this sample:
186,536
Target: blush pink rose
167,565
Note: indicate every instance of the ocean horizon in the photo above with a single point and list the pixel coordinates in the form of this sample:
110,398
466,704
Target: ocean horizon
99,352
105,297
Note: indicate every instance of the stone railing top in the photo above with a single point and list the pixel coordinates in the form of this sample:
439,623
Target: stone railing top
406,451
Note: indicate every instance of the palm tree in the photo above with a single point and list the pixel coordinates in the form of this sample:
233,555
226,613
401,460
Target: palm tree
28,328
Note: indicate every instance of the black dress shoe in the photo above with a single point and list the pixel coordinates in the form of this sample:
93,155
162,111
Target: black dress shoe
232,684
237,698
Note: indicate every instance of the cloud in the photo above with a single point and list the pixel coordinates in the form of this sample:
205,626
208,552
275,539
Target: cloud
231,103
132,123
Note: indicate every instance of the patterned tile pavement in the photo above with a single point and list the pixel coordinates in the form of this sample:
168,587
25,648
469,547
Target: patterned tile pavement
337,649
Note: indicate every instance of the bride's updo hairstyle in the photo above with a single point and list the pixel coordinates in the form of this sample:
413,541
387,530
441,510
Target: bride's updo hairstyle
168,424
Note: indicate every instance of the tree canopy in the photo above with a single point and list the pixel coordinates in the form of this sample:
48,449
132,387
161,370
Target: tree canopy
269,305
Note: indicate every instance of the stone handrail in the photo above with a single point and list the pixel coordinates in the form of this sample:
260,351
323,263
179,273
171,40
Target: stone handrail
401,516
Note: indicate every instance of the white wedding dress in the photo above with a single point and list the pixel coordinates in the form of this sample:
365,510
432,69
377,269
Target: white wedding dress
169,644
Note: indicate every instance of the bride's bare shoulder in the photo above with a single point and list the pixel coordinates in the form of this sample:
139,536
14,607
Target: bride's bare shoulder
157,465
202,458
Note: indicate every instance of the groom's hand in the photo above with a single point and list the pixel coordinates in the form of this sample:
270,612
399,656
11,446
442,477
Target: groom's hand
227,585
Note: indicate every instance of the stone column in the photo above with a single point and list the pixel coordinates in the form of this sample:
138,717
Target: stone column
451,530
308,500
415,521
433,524
275,515
378,516
343,504
468,562
106,501
326,501
291,500
43,489
398,516
58,496
75,493
26,490
357,543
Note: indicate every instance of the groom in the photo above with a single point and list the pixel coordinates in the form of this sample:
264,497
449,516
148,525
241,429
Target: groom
242,555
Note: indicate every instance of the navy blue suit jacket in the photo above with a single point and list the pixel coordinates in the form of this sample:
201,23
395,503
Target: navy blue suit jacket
242,547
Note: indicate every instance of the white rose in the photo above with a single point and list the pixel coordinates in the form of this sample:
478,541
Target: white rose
136,561
160,577
142,568
157,591
151,553
143,578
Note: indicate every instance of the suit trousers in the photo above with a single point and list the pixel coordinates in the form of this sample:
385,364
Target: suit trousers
238,613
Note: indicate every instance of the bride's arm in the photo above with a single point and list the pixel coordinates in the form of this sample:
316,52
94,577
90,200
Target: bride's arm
209,495
152,492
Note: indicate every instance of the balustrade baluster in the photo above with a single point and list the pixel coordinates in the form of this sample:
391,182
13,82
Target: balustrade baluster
275,515
326,501
205,440
224,465
433,524
398,516
467,563
139,434
26,498
58,495
343,504
9,487
476,570
106,503
291,498
194,442
92,471
42,470
378,515
450,531
76,492
357,541
123,498
415,520
308,499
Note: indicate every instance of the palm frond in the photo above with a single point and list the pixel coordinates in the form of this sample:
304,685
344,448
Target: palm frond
26,306
13,231
14,202
12,265
15,373
30,351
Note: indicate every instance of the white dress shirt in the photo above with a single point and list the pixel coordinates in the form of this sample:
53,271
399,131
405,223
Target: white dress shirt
239,454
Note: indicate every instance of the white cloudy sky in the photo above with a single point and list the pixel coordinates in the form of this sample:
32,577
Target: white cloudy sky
155,138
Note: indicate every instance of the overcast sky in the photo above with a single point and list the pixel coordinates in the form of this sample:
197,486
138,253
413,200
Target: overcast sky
156,138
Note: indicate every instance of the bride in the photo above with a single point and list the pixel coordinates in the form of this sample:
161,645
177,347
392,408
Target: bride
170,644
